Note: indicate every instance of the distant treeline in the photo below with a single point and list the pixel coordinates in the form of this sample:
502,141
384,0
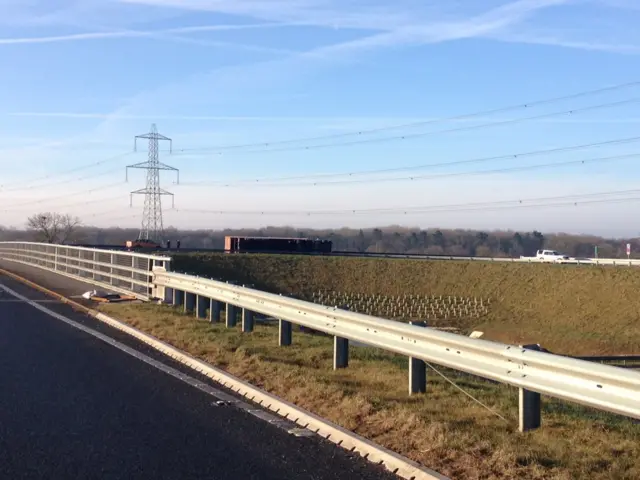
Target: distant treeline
379,240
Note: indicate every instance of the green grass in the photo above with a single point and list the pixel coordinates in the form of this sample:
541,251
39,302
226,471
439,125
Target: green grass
436,309
443,429
575,310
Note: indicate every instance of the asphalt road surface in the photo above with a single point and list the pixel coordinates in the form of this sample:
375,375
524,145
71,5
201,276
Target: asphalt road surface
73,406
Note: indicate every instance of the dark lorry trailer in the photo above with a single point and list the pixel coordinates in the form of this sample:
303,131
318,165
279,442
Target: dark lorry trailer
233,244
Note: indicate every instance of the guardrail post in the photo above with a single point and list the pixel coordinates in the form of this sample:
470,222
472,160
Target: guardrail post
111,270
284,333
202,306
529,405
178,297
417,370
340,352
168,295
133,275
93,267
214,311
232,315
189,302
530,410
247,320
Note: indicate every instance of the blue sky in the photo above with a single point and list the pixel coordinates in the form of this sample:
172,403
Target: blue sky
82,78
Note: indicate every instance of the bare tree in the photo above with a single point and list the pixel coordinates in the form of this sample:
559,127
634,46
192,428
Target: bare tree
53,227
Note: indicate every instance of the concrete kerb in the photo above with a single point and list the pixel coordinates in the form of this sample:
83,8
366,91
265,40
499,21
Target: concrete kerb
401,466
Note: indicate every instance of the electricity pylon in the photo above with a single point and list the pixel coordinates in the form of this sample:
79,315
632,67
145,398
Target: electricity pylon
152,224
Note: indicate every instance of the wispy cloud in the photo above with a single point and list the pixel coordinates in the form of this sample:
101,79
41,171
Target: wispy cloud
622,4
124,116
386,26
392,30
406,23
593,25
437,32
333,123
115,34
401,23
358,14
75,13
621,48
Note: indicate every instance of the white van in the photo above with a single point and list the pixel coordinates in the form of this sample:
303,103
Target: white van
551,256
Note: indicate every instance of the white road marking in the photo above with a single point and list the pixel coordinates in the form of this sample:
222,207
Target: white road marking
15,300
222,398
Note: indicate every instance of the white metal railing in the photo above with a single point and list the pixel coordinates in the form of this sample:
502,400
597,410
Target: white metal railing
618,262
118,271
604,387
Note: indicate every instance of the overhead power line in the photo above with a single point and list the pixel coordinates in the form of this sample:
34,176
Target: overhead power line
108,216
312,179
564,200
49,200
525,168
104,216
93,214
410,136
62,182
362,132
558,204
449,130
29,184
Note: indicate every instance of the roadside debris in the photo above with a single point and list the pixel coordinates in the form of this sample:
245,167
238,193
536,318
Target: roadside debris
104,297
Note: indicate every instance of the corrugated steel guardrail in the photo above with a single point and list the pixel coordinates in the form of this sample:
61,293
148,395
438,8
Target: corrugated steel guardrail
626,361
603,387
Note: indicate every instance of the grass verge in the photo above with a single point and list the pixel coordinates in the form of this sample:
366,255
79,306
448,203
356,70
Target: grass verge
569,309
443,429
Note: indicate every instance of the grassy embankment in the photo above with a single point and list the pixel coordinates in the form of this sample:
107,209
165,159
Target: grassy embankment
443,429
568,309
576,310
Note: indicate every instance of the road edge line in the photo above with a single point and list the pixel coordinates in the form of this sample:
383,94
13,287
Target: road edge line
377,454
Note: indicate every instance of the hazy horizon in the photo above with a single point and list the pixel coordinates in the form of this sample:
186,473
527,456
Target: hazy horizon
388,227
